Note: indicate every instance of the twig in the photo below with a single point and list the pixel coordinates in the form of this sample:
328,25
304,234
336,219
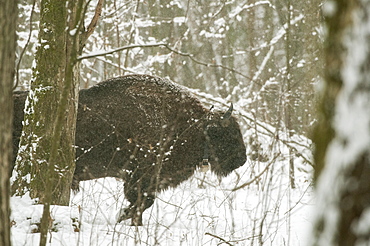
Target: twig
177,206
220,238
94,20
25,46
258,176
285,142
299,200
90,29
191,56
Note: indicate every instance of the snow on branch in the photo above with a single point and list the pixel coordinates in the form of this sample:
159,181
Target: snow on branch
239,9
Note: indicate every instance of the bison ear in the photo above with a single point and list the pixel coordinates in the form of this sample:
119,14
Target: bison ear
228,113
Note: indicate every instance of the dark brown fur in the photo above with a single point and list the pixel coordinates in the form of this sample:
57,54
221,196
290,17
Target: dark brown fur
149,132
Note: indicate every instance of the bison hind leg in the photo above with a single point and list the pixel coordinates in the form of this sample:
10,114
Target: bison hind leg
75,186
124,214
130,213
137,218
135,212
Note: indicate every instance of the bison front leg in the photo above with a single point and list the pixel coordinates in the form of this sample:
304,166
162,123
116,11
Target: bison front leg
140,198
137,217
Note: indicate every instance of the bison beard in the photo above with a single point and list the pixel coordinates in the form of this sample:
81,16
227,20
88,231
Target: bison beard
149,132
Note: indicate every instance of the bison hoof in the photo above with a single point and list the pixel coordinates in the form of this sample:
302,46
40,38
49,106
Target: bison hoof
124,214
137,221
129,213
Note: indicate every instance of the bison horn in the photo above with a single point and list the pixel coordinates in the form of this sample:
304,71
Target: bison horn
228,113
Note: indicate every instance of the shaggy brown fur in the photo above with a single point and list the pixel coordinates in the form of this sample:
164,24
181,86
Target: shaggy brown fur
149,132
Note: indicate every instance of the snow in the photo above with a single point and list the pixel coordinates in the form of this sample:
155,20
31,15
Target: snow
73,32
239,9
201,211
210,34
179,20
329,8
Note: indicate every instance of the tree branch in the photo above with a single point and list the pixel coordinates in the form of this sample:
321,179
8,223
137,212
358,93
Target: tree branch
25,47
189,55
90,29
94,21
220,238
109,52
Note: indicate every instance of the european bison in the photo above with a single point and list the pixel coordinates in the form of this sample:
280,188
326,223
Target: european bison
149,132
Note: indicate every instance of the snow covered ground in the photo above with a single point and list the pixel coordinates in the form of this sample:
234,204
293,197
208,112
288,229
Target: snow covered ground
201,211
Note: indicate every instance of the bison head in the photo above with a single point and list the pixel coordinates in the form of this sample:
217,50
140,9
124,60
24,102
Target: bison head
224,145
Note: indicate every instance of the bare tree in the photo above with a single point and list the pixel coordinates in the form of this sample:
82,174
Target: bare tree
8,16
343,134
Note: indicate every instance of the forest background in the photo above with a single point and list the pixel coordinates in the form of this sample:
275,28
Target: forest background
265,56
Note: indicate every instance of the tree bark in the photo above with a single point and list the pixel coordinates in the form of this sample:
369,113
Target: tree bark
333,49
343,146
8,17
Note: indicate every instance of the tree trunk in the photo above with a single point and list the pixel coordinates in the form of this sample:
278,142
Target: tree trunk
343,146
8,17
46,150
287,90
